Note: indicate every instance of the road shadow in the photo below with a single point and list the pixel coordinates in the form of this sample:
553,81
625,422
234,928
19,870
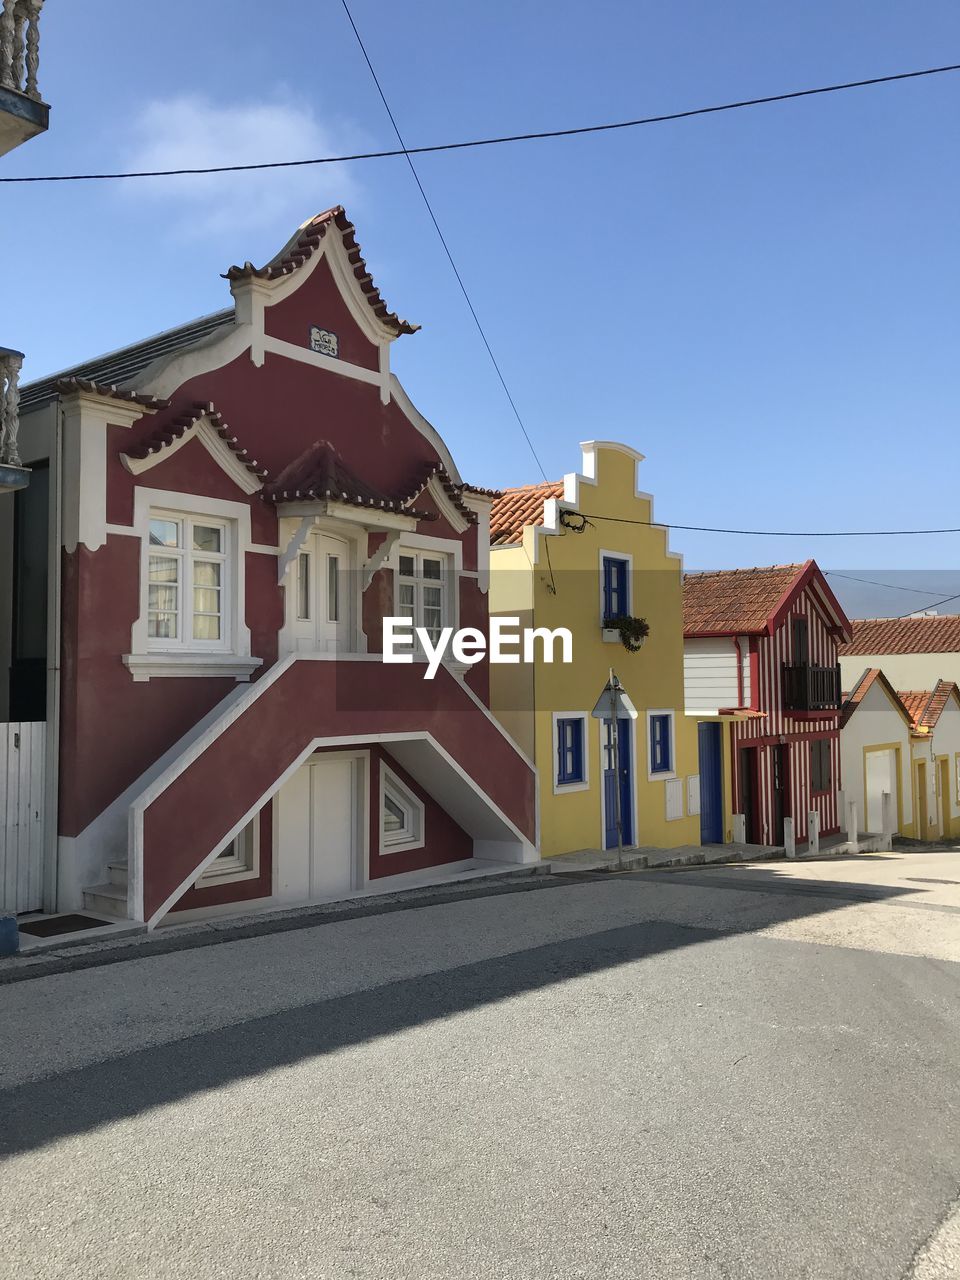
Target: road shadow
38,1113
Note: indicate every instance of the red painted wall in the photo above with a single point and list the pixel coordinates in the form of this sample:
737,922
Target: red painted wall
113,728
314,699
261,886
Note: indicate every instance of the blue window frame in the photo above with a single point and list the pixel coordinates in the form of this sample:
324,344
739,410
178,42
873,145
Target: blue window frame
569,750
615,597
661,756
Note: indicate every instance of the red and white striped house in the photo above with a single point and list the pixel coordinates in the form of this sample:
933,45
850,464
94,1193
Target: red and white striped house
761,654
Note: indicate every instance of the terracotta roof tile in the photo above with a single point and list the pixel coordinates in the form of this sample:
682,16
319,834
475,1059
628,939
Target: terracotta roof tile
936,634
516,508
67,386
734,601
320,472
925,706
168,432
302,247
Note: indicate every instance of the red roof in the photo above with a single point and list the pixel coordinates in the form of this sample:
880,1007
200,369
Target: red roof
304,244
320,472
925,706
165,435
937,634
737,602
516,508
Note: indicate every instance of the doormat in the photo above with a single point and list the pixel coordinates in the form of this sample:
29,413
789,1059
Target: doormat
54,925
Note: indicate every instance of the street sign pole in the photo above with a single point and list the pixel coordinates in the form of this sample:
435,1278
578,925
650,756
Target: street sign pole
615,721
612,705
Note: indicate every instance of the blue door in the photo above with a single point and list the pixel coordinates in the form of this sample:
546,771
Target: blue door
610,783
711,784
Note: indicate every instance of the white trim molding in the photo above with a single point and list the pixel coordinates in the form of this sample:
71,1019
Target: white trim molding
146,662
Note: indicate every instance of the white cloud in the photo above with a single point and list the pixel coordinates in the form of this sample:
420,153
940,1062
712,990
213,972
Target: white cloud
191,131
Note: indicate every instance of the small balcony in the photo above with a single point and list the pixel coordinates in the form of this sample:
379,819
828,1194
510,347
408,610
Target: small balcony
23,113
807,688
13,474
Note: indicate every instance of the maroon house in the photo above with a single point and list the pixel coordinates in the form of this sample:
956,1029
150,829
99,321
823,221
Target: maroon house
220,517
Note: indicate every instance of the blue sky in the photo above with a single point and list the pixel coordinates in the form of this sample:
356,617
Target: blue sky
764,302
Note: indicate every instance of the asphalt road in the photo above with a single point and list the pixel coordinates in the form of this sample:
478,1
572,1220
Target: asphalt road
718,1073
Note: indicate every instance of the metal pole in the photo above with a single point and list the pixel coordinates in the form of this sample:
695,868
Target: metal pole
616,765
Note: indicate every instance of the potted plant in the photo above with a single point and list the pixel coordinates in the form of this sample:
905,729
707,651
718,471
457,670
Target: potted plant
631,632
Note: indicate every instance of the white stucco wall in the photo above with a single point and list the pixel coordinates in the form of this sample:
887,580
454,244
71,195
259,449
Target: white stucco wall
875,723
903,670
943,812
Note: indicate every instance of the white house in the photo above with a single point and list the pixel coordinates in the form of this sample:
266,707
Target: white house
914,653
875,752
935,759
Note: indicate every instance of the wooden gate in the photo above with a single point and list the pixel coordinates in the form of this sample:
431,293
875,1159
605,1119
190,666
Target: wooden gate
21,815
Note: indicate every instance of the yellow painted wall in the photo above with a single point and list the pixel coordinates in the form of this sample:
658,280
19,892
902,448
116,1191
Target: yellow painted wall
566,591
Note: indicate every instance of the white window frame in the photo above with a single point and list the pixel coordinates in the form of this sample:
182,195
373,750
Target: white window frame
186,557
242,864
562,788
205,658
414,834
446,582
662,775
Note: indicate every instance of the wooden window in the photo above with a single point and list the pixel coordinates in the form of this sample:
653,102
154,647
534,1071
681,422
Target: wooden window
820,774
186,583
616,603
570,752
422,591
661,752
801,641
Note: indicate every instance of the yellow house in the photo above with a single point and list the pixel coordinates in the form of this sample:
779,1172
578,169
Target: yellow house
579,553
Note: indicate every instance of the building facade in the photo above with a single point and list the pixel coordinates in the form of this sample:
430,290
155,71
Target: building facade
581,554
935,759
876,753
230,509
761,659
914,653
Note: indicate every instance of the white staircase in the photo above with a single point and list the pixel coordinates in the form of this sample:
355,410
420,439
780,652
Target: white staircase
109,899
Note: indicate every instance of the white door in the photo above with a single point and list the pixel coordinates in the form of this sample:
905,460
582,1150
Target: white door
881,776
333,825
322,606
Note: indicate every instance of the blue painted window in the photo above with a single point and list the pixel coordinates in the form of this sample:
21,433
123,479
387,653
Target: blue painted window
615,602
569,750
661,758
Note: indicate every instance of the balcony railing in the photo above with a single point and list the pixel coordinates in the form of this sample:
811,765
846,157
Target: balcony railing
20,46
808,688
10,364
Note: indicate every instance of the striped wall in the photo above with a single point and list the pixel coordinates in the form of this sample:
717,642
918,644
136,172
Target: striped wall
797,734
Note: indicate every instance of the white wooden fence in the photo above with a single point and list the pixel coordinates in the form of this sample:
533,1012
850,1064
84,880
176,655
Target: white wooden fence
21,815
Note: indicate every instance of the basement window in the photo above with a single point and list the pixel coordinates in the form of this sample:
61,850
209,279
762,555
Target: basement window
239,860
401,815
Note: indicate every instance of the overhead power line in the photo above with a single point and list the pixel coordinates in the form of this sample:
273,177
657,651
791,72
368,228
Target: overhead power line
537,136
775,533
935,605
443,241
869,582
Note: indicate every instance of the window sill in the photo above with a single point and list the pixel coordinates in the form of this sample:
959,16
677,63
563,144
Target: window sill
561,788
150,666
225,875
400,846
661,775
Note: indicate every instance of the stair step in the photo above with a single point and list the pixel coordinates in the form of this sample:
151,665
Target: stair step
106,900
118,872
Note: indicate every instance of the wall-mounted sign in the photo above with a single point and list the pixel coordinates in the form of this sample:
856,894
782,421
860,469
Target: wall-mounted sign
325,342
